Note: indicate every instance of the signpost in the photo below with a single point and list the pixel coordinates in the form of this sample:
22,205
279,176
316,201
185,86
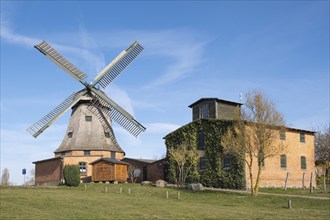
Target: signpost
24,172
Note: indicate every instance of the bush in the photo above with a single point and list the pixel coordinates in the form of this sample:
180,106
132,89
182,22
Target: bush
71,175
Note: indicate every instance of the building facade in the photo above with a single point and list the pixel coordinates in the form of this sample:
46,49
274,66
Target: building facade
211,117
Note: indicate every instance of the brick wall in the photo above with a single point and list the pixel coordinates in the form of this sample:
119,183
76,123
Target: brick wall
48,172
272,175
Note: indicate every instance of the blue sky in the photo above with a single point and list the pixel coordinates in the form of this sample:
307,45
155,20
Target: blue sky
193,49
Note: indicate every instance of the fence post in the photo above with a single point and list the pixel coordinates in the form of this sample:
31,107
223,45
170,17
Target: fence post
286,180
85,187
289,204
166,194
129,191
106,189
303,181
120,190
311,183
324,182
178,195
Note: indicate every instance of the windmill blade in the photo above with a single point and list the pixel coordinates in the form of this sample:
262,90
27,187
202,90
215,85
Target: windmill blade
41,125
59,60
112,70
117,113
100,114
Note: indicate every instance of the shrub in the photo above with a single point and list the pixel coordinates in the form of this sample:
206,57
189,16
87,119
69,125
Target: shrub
71,175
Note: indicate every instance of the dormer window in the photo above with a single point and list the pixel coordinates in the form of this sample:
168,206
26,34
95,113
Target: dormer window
204,111
107,134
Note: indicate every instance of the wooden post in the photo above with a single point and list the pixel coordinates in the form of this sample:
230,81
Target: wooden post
85,187
178,195
166,194
324,182
303,181
289,204
120,190
129,191
106,189
286,180
311,184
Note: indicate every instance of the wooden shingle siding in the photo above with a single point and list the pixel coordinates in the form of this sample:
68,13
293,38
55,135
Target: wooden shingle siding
226,111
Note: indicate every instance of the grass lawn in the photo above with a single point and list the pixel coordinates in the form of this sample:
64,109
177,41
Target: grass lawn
147,202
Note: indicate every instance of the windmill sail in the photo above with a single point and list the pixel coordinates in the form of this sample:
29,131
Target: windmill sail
41,125
112,70
100,112
59,60
118,114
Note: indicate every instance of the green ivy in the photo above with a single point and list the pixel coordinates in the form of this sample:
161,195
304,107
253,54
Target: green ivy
214,175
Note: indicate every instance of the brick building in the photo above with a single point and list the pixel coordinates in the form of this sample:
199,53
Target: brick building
148,170
295,163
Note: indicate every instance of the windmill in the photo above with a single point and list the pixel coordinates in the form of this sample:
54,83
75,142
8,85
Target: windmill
98,103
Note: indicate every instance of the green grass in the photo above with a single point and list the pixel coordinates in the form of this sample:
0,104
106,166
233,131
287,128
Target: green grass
146,202
297,191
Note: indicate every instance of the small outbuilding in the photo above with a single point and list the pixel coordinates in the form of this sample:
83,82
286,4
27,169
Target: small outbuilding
109,169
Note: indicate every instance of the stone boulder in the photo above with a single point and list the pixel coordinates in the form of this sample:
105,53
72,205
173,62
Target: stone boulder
195,186
161,183
144,183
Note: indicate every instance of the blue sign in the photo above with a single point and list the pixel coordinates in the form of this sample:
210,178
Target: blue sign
24,171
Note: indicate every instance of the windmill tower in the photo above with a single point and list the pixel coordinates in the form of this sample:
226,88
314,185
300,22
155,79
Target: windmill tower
89,135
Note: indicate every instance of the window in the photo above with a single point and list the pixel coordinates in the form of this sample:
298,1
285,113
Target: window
282,135
70,134
204,111
261,159
303,162
302,137
113,155
283,161
83,168
201,144
87,152
107,134
62,153
88,118
226,161
202,163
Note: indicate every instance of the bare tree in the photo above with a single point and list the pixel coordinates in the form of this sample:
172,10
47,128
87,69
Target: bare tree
5,177
322,147
255,135
31,180
185,159
132,174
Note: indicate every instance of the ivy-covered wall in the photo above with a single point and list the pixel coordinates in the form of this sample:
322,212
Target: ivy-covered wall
214,175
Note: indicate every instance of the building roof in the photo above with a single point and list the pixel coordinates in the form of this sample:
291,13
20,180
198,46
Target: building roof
110,160
143,160
88,135
214,99
54,158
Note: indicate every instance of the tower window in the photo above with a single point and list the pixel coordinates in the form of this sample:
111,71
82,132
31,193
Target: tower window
87,152
83,168
70,134
204,111
107,134
282,135
113,155
88,118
